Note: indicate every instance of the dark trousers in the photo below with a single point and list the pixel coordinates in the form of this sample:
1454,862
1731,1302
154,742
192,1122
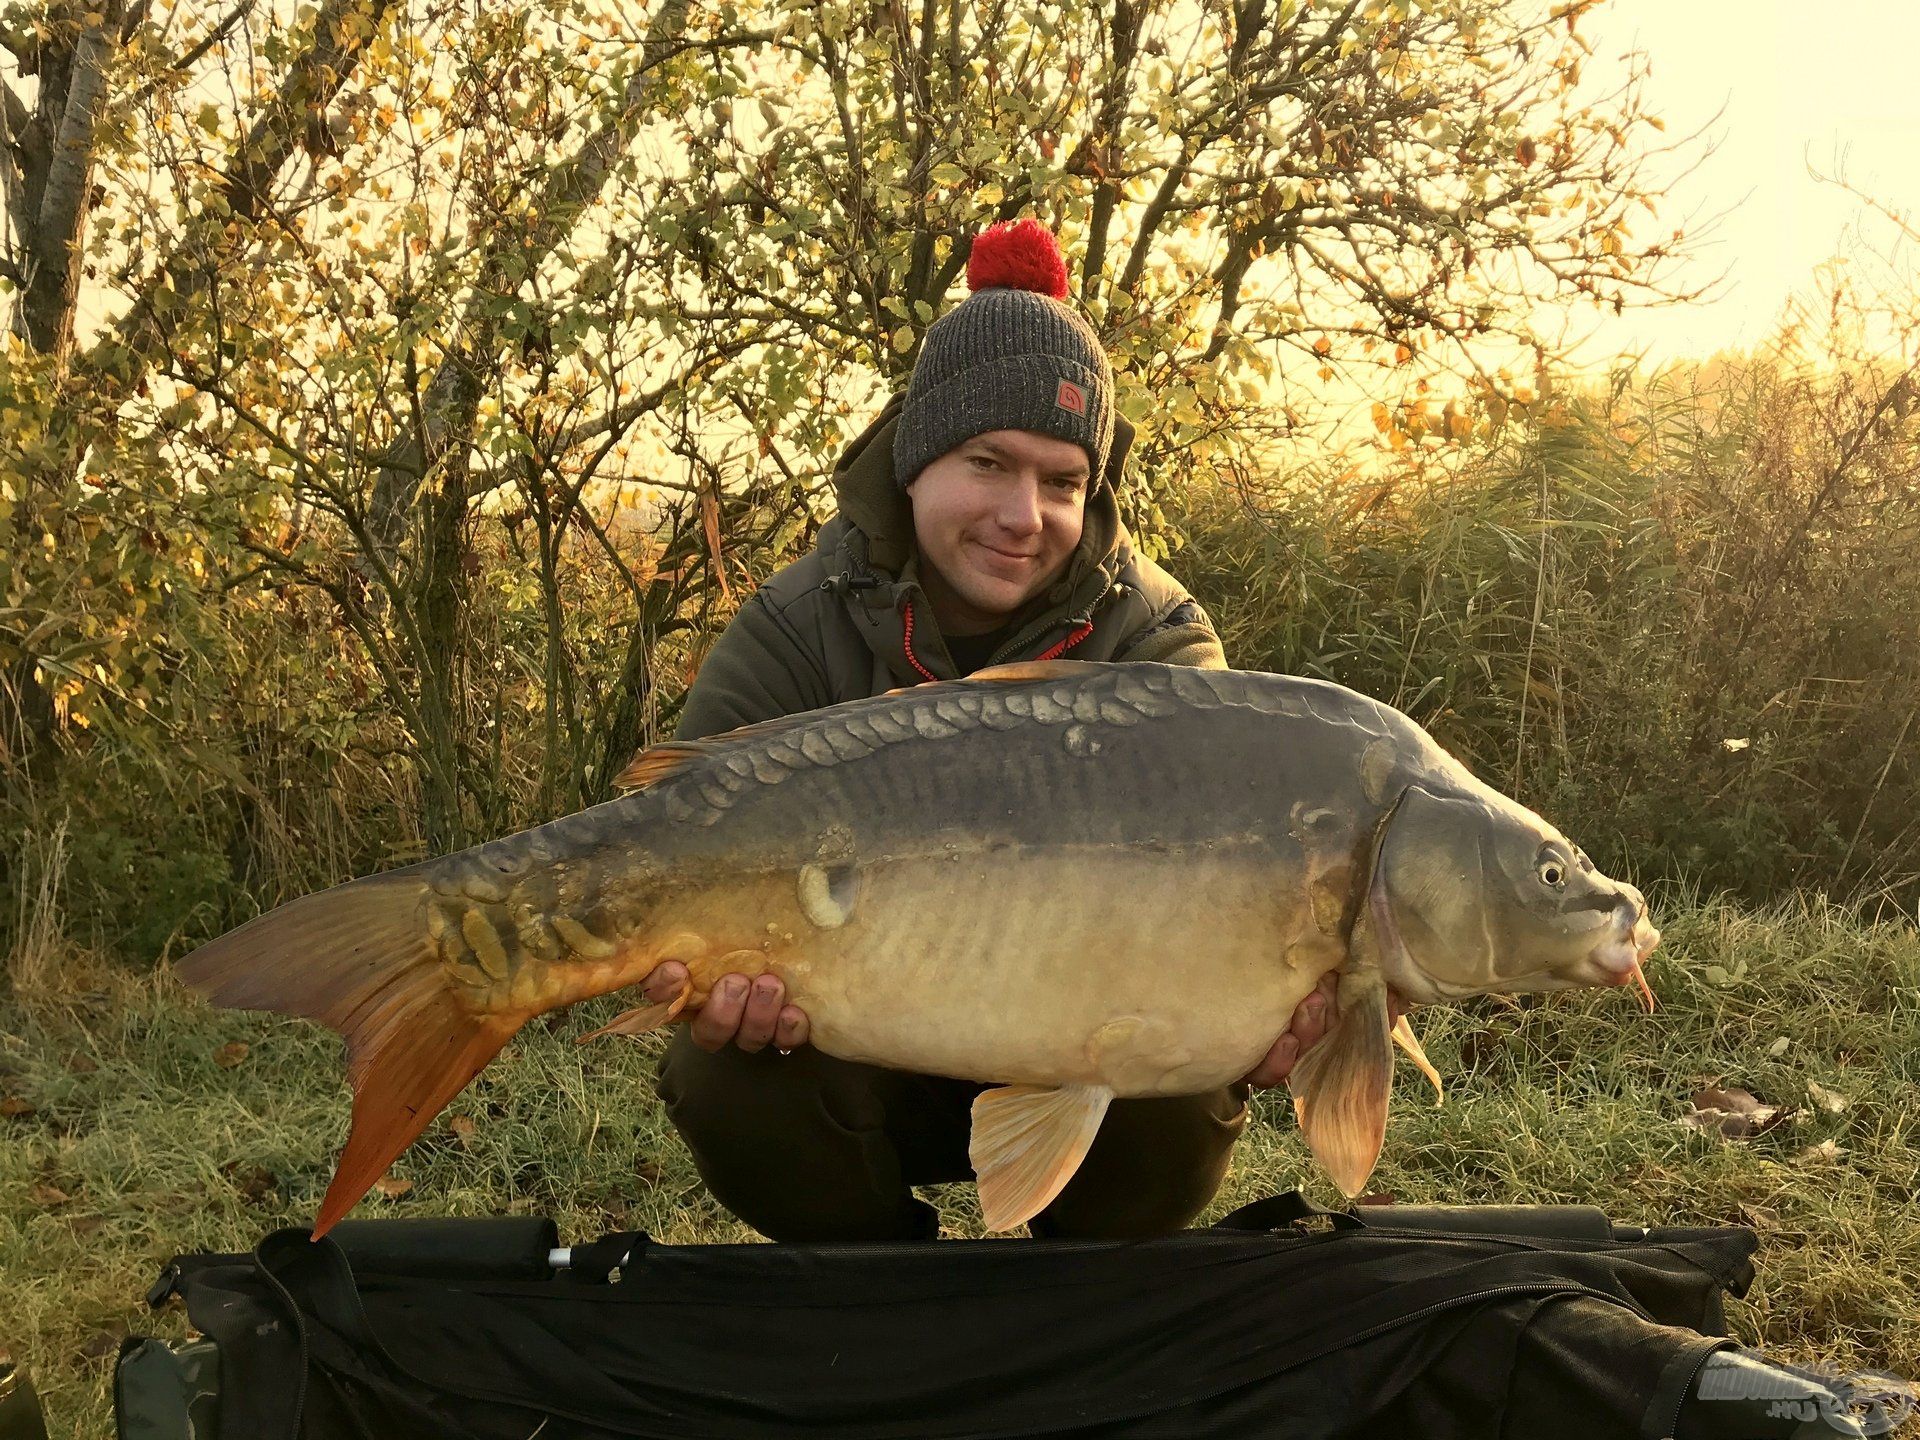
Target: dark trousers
805,1147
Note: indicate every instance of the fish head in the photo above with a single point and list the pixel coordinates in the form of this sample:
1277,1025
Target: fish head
1474,893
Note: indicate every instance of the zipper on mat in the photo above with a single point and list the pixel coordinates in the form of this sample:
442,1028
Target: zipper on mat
1673,1422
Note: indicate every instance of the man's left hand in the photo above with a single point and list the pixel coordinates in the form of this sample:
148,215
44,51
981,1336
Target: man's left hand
1311,1020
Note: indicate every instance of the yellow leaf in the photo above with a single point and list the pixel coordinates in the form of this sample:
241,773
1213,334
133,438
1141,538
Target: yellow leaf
391,1187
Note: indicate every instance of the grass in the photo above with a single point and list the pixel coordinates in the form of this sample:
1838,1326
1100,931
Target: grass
142,1130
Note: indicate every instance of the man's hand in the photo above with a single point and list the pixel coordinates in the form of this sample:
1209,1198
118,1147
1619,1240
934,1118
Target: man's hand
749,1013
1311,1020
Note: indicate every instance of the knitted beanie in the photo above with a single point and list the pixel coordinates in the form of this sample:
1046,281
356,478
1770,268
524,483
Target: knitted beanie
1011,356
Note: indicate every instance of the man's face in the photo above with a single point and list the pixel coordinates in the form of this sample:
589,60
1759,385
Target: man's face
995,519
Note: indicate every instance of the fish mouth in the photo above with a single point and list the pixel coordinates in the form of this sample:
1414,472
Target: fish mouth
1621,955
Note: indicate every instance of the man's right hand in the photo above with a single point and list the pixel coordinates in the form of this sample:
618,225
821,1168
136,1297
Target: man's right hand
749,1013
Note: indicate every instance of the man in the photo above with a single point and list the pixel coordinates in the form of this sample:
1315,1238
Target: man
978,525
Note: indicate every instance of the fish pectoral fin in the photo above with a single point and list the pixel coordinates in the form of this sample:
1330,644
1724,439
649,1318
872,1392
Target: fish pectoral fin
1027,1142
643,1018
1404,1037
1340,1086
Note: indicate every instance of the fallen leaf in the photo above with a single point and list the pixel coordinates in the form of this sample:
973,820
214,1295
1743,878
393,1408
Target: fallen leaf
78,1064
463,1129
1377,1197
1825,1153
1482,1046
231,1054
647,1173
1760,1217
48,1196
1711,1097
1732,1113
102,1344
391,1187
84,1225
1831,1101
1778,1048
14,1108
254,1182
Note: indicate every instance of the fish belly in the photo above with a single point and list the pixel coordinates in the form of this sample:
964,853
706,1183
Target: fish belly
1147,974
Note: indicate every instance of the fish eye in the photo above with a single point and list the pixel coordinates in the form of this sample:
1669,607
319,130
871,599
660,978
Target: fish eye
1553,871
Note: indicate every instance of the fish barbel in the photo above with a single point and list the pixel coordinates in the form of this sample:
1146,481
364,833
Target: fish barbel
1074,881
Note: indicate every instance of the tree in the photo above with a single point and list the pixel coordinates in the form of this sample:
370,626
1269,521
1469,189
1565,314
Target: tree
406,315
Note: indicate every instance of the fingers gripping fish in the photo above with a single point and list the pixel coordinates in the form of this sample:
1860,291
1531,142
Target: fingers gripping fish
989,879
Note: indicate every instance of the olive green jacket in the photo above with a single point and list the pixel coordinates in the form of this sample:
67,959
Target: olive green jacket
849,619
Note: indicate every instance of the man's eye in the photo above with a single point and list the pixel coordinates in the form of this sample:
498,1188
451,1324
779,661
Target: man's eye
986,462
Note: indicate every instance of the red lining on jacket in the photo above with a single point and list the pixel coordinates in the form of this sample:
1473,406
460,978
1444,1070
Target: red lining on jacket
1067,644
1052,653
913,659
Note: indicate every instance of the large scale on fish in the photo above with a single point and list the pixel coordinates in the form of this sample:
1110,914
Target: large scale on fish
1072,881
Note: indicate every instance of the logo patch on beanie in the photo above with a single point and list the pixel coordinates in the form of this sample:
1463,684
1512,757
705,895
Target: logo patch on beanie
1071,397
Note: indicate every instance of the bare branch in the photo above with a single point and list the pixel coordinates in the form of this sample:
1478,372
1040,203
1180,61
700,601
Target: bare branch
186,60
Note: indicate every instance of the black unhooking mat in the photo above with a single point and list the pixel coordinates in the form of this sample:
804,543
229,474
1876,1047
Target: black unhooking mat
1280,1321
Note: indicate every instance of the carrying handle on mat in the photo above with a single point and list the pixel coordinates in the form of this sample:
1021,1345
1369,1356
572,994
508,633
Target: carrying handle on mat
1280,1212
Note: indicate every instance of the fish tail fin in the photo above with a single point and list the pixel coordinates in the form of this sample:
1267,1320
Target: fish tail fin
360,960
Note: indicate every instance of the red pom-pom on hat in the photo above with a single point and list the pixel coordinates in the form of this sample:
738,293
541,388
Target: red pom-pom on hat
1017,255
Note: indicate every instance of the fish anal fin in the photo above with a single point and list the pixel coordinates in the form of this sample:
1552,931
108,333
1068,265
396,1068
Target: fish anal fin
642,1018
1028,1140
1340,1086
1404,1037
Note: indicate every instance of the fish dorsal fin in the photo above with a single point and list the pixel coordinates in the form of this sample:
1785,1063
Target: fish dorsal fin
1010,673
1034,670
1027,1142
654,764
657,762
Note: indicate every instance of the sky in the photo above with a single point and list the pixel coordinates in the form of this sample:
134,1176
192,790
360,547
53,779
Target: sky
1835,85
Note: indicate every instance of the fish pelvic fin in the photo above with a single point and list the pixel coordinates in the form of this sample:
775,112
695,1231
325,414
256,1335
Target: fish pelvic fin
1341,1085
358,959
1404,1037
1028,1140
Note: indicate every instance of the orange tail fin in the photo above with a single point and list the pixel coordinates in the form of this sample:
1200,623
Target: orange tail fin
358,958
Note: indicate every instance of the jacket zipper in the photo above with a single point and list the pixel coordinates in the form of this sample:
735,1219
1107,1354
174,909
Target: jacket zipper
1008,651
